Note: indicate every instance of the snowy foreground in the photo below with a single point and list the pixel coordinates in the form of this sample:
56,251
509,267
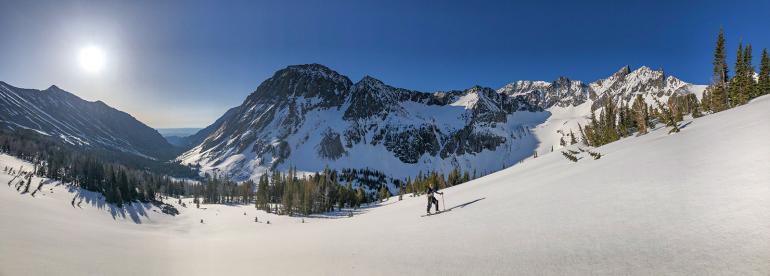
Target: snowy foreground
692,203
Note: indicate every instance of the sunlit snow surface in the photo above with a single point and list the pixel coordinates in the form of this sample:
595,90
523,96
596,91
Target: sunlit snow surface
692,203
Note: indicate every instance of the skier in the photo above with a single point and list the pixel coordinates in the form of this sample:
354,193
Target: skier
431,198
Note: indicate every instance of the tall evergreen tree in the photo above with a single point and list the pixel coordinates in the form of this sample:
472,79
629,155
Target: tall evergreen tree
737,87
641,115
720,57
718,90
764,74
750,82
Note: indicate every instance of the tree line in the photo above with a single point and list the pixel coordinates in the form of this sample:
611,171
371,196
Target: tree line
328,190
285,193
727,91
89,169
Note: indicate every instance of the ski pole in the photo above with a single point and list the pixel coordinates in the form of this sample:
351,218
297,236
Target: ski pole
442,201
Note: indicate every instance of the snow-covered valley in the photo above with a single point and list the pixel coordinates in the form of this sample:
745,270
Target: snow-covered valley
691,203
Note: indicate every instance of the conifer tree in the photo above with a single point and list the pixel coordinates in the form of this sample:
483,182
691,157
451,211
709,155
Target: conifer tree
720,57
763,86
718,90
694,105
737,86
668,117
582,137
750,82
384,193
641,115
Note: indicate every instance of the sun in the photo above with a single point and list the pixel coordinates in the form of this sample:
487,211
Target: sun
92,59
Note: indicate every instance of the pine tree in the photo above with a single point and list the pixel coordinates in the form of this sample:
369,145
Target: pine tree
641,115
695,107
668,117
718,90
764,74
720,56
384,193
738,82
262,201
582,137
750,83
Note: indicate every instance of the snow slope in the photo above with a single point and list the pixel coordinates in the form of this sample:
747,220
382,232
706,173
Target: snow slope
692,203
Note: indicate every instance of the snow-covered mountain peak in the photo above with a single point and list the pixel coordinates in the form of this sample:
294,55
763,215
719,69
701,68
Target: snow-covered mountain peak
644,73
643,81
562,92
317,71
622,71
370,82
53,88
523,86
307,81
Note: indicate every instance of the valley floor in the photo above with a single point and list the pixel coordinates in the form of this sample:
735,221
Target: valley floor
692,203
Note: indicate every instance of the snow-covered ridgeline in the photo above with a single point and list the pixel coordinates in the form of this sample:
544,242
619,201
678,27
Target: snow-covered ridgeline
310,117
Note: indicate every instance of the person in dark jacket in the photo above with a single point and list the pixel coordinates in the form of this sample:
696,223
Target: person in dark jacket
431,197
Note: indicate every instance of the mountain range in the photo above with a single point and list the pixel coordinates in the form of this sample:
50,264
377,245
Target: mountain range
310,117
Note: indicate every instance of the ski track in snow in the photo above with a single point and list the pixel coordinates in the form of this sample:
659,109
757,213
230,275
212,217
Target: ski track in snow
692,203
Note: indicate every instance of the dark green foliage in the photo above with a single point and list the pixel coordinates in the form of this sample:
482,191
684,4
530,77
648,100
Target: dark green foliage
418,186
752,90
569,156
317,193
717,92
641,114
693,106
383,194
605,129
595,155
742,84
763,85
119,178
669,117
288,194
720,57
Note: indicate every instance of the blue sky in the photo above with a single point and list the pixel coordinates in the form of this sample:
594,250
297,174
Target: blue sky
183,63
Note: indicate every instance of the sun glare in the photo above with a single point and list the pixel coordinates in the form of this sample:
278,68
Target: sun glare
91,59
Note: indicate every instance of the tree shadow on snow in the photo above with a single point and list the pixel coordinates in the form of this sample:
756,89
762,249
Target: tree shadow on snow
132,210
